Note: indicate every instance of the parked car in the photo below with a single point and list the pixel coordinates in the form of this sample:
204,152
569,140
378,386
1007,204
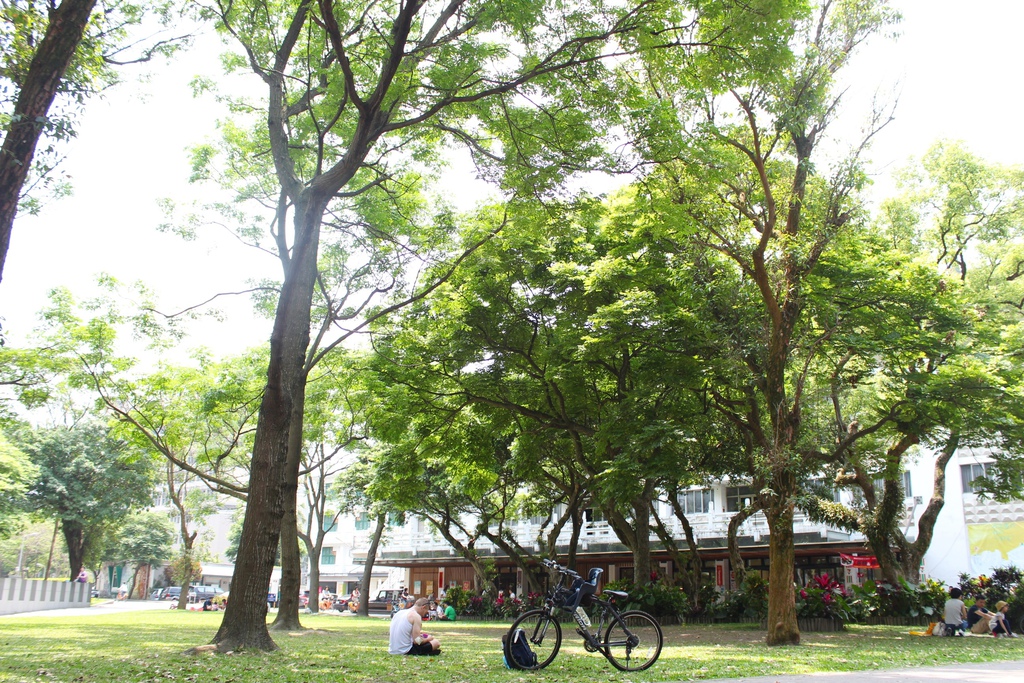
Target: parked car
174,592
384,599
157,594
202,593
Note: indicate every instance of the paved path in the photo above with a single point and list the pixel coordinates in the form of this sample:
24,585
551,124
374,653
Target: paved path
989,672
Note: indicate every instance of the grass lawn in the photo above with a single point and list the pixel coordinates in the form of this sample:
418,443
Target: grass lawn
147,647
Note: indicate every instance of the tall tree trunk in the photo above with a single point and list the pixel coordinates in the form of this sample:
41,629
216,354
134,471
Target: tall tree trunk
574,538
782,628
737,565
881,528
288,606
291,562
135,578
244,624
690,562
186,580
74,537
53,55
914,554
53,544
636,535
371,557
642,535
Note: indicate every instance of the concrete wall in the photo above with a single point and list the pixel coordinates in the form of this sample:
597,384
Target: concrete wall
32,595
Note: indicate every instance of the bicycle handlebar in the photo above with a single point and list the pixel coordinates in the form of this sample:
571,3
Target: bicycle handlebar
559,568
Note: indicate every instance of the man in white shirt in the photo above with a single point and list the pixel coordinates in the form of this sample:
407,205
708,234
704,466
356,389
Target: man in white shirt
407,636
955,611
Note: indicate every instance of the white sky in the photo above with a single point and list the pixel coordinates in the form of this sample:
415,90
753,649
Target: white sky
958,65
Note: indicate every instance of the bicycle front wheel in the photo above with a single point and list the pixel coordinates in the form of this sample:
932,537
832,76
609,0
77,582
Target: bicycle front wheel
633,641
543,636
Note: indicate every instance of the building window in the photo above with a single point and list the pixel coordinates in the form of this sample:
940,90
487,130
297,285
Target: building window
327,556
696,502
738,497
330,524
908,492
968,473
594,515
362,522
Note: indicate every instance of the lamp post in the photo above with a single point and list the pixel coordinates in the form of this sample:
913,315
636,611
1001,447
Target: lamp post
21,553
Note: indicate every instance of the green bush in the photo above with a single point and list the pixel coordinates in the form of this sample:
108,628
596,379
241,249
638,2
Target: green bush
657,599
1003,584
750,601
901,600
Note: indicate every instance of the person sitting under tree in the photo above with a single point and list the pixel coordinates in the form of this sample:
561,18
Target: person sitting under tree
407,636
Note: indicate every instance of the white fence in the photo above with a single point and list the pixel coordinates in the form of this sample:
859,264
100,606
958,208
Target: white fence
31,595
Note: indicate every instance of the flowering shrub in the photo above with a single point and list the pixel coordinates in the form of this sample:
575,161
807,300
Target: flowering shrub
512,607
475,605
533,601
823,597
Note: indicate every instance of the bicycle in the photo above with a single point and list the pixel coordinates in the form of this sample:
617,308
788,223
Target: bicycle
630,640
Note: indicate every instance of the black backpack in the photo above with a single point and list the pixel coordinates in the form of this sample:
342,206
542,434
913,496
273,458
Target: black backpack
519,654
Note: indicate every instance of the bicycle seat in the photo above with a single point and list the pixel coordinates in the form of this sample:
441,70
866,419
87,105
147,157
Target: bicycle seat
621,595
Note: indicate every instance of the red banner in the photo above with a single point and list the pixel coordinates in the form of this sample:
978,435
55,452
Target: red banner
859,561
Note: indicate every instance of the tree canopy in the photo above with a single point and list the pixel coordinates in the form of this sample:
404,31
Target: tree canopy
87,480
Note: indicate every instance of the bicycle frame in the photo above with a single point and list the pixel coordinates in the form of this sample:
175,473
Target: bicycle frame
608,614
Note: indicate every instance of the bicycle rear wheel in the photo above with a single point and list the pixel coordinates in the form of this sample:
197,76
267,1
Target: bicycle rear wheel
543,635
633,641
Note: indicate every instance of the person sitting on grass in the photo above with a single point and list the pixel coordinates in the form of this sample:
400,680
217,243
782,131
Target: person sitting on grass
1001,624
979,619
954,614
407,636
449,613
